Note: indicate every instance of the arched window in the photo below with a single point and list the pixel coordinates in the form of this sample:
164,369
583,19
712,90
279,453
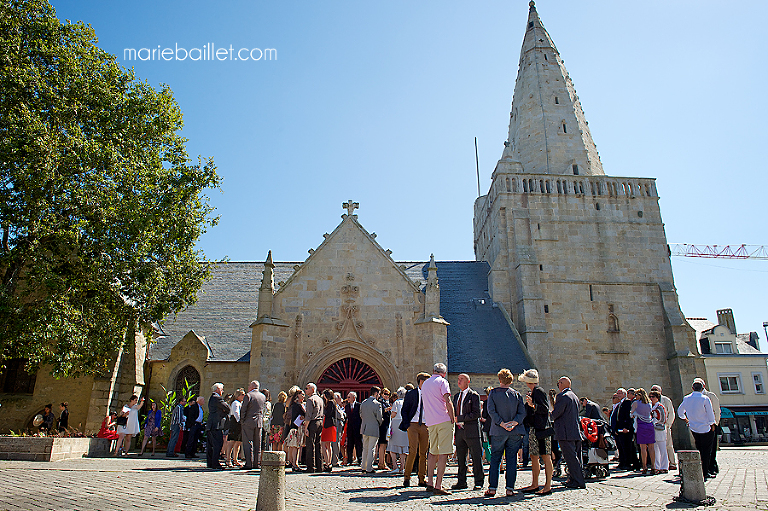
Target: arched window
191,375
349,374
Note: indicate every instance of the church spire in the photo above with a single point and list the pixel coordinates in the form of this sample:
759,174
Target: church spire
267,288
548,133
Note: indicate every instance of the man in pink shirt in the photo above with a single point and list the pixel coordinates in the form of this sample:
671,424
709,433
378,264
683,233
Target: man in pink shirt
439,418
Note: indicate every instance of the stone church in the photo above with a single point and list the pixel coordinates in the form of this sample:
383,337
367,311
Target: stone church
572,276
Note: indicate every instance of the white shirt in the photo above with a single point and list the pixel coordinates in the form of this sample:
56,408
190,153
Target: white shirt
697,408
462,396
234,410
418,410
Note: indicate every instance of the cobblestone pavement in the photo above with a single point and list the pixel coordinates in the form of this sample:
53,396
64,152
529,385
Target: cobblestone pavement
147,483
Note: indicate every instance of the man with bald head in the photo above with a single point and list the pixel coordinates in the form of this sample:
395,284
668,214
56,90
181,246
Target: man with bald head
251,424
568,432
468,436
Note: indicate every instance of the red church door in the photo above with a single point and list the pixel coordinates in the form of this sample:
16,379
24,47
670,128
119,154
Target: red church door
349,374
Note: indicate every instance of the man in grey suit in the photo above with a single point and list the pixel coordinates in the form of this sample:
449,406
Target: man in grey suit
568,432
370,412
252,422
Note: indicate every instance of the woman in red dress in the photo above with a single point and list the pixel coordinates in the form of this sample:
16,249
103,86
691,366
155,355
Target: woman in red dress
108,427
328,435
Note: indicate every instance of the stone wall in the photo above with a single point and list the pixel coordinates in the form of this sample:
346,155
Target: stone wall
18,410
582,266
52,449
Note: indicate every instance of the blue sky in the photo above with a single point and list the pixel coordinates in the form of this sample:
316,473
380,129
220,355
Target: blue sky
380,102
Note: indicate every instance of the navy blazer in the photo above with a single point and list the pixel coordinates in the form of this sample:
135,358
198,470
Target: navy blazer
624,419
470,413
566,416
410,405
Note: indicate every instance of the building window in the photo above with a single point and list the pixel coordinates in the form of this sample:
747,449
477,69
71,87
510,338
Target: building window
188,375
575,167
557,101
723,348
757,379
565,128
729,383
15,379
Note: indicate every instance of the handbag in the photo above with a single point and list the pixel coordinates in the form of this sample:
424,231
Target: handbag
548,431
121,421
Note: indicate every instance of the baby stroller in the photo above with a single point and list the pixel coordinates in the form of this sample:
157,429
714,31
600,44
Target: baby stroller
598,441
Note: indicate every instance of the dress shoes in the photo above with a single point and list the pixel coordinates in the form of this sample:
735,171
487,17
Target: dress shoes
406,483
423,483
573,485
459,486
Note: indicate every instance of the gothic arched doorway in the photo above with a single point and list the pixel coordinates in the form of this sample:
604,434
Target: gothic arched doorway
349,374
188,375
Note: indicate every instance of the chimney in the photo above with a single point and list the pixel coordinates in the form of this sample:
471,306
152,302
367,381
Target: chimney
725,317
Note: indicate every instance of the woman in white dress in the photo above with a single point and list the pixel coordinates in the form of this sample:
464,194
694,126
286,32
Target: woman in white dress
398,440
126,432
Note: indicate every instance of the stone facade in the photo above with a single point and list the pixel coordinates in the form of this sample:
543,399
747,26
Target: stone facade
348,299
579,259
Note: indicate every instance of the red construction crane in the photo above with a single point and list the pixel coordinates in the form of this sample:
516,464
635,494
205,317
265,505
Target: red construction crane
719,251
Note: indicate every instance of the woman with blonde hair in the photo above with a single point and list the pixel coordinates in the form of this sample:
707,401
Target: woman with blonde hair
507,411
278,422
645,434
235,436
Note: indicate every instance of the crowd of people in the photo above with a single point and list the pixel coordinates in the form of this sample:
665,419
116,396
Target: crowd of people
418,427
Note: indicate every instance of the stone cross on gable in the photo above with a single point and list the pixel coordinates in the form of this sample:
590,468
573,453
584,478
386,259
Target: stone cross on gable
350,206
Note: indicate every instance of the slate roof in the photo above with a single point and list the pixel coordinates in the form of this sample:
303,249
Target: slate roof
480,340
745,348
226,306
702,325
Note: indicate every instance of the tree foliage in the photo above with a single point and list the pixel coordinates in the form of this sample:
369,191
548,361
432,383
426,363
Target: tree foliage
100,205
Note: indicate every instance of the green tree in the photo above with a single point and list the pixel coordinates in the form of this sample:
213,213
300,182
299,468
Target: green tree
100,205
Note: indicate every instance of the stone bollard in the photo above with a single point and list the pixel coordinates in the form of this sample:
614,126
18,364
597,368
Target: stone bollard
691,475
271,496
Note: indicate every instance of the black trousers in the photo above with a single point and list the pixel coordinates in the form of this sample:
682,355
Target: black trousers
193,436
713,468
213,448
314,457
474,446
354,443
630,452
704,443
572,456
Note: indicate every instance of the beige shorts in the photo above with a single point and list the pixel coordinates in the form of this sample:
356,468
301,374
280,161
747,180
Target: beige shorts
441,438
